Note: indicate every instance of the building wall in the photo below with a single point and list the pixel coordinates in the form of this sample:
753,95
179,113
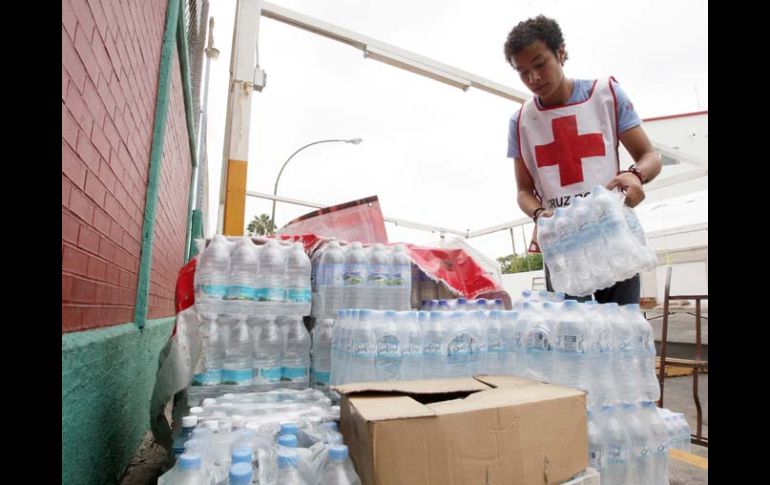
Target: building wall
111,55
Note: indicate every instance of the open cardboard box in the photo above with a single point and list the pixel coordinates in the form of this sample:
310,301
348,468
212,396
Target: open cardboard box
482,430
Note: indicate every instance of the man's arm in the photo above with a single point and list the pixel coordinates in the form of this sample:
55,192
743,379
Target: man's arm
525,187
647,162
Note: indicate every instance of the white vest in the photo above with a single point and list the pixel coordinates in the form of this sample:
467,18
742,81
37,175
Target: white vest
571,148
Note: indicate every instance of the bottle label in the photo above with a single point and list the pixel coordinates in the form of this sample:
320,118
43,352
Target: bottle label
571,343
299,295
355,275
276,295
496,345
459,345
294,374
388,347
268,375
215,292
378,275
239,377
209,378
237,292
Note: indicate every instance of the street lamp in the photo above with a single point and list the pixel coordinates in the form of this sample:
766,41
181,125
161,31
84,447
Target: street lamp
354,141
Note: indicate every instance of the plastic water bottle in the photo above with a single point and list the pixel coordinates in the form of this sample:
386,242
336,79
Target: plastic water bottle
242,281
595,444
287,473
598,270
434,346
321,353
337,346
267,355
607,211
238,365
497,349
356,276
641,444
600,356
625,377
296,354
538,342
616,439
411,345
188,425
401,278
189,471
377,278
511,333
553,252
331,282
477,330
213,352
660,452
297,281
240,474
211,276
272,291
388,354
644,347
571,363
362,348
339,470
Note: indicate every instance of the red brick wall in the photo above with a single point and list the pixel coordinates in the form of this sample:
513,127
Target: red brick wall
110,67
171,213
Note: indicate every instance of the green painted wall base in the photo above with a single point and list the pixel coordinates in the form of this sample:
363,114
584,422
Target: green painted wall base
107,380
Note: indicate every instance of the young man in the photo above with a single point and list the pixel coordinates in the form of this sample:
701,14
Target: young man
564,140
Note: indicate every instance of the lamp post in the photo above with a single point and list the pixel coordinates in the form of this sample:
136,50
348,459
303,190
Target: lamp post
354,141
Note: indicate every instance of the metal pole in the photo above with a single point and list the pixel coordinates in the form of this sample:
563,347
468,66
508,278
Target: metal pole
526,248
354,141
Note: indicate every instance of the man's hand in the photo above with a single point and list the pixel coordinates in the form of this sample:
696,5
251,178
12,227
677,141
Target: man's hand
545,213
631,186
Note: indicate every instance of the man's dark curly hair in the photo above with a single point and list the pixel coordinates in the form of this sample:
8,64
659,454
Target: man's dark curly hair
531,30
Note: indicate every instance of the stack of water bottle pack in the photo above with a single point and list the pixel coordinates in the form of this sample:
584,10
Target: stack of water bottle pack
269,438
251,300
606,350
593,243
377,277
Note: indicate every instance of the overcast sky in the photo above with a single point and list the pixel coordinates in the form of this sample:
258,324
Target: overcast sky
431,152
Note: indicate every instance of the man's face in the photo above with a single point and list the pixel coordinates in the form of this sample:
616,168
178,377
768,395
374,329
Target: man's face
539,69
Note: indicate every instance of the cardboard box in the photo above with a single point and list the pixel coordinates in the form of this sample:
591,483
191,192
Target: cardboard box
483,430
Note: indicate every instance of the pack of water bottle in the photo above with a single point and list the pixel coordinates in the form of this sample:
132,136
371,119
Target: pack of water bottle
285,442
629,443
352,276
262,351
605,349
241,277
593,243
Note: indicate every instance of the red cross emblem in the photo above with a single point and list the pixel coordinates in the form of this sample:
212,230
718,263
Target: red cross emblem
568,149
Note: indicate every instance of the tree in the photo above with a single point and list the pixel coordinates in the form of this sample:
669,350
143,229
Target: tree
513,263
261,225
